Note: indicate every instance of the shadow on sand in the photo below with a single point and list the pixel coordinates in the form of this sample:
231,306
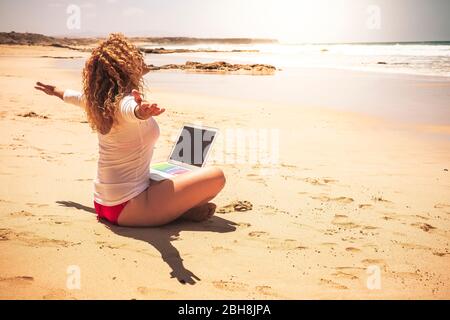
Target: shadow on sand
161,238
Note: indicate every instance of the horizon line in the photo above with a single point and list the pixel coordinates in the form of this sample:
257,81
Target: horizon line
230,38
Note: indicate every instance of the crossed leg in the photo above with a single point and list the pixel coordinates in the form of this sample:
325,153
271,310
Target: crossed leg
168,200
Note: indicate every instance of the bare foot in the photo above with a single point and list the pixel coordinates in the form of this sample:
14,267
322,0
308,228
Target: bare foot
201,213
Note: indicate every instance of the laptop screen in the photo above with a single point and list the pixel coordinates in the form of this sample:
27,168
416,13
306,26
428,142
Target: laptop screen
193,145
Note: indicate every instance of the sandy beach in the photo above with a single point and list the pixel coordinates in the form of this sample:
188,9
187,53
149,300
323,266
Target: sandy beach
347,194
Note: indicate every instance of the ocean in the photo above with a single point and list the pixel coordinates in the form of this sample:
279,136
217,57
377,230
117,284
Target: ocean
407,82
419,58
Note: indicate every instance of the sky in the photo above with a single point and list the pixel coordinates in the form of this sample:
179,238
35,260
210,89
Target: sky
293,21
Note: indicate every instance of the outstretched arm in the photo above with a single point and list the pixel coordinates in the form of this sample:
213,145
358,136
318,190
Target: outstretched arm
50,90
68,96
144,110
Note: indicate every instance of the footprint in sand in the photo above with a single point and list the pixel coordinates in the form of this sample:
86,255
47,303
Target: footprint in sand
221,249
326,198
405,275
22,213
239,206
380,199
282,245
271,210
154,291
229,285
352,249
58,294
441,253
64,223
285,165
345,275
244,225
293,244
370,228
319,181
374,262
350,269
32,114
424,226
344,222
412,246
332,284
266,291
257,234
422,217
365,206
256,178
442,206
33,240
104,244
328,244
39,205
17,281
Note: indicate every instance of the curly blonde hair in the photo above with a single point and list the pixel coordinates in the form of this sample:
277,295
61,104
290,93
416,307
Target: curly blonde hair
113,70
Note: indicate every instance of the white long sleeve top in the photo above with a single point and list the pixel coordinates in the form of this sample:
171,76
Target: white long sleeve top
125,153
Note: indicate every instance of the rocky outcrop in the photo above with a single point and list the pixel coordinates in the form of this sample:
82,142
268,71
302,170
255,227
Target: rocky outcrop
35,39
20,38
219,67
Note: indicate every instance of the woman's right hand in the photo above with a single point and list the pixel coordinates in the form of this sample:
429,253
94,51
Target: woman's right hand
144,109
49,89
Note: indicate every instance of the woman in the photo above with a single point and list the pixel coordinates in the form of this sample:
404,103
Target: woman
127,132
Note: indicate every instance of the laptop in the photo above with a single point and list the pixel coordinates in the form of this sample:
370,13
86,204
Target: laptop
190,152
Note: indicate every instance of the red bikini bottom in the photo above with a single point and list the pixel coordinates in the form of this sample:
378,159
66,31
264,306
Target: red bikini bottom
110,214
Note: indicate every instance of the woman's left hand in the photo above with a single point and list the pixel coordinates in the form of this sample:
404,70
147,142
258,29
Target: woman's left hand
144,109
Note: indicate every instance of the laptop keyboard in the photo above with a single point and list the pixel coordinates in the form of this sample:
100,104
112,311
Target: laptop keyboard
169,168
